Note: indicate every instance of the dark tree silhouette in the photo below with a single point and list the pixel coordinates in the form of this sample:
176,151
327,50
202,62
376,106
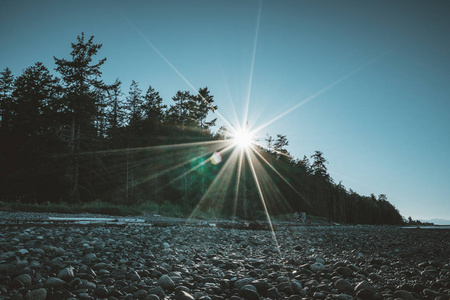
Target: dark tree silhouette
318,165
6,102
80,77
154,109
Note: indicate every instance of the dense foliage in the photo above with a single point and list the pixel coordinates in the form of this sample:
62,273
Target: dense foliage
75,139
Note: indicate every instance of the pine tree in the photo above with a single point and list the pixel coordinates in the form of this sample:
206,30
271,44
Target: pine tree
153,108
35,92
269,140
199,108
178,113
318,165
6,100
135,104
280,143
80,76
115,109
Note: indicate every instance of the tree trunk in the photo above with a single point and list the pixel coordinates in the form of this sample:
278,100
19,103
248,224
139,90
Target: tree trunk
73,170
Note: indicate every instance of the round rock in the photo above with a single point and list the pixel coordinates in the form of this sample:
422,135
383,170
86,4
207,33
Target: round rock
25,279
244,281
343,285
166,283
317,267
54,282
183,295
37,294
249,292
404,295
344,271
66,274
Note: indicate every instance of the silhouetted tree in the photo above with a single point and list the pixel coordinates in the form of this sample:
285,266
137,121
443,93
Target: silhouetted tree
280,143
80,76
115,109
135,104
178,113
6,101
199,107
153,108
269,141
35,92
318,165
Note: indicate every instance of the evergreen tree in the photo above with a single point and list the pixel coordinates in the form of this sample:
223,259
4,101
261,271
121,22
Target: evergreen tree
6,100
35,92
269,140
178,112
280,143
199,108
135,103
115,108
80,76
318,166
153,108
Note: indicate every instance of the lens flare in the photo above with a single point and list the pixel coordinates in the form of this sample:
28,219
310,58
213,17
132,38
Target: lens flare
216,158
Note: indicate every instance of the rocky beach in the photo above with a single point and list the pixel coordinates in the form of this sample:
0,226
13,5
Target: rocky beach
162,258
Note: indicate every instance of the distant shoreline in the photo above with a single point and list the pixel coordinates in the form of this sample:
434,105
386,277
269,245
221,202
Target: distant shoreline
427,227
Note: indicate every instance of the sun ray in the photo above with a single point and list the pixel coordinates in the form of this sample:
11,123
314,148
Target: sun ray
252,67
263,201
269,188
197,166
230,98
279,175
226,149
238,180
328,87
136,149
271,149
222,181
177,71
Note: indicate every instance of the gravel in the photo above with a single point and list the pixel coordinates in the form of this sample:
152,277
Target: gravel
206,261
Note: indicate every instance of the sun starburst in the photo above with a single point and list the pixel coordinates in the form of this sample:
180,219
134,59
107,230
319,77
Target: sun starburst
243,138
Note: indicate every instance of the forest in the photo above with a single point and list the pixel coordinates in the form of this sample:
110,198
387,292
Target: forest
72,138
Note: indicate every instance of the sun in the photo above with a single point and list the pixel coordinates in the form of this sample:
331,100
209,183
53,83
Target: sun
243,138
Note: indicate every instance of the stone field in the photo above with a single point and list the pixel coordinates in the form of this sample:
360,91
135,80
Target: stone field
200,260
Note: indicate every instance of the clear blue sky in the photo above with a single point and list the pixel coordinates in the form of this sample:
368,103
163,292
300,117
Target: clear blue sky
384,128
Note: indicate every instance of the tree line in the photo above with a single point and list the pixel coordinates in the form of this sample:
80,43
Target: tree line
74,138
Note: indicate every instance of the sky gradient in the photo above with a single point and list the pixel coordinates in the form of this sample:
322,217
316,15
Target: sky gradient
374,75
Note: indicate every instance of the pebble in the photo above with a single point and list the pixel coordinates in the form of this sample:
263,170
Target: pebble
22,252
344,297
101,292
140,294
403,294
317,267
344,271
273,293
249,292
375,277
318,295
54,282
66,274
37,294
158,291
25,279
166,283
7,269
343,285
